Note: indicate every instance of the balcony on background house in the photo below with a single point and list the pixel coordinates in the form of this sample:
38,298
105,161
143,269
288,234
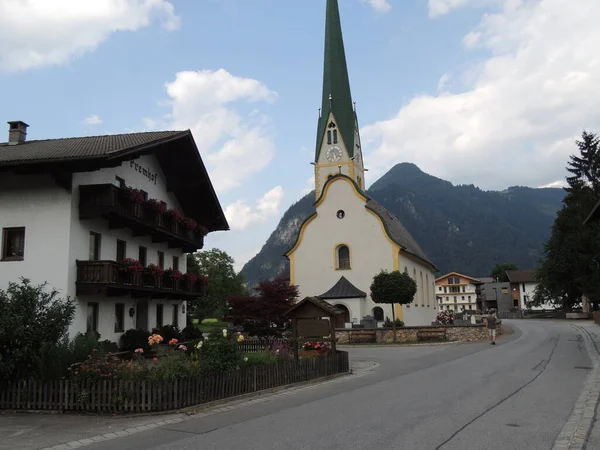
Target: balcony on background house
141,216
95,277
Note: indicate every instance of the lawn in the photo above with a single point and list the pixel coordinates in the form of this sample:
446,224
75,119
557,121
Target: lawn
208,325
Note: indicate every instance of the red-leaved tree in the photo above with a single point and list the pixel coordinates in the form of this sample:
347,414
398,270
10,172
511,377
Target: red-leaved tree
262,315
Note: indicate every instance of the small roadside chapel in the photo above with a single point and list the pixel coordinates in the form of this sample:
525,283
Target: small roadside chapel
313,319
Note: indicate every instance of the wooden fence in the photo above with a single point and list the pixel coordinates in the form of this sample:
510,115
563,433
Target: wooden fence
108,396
257,346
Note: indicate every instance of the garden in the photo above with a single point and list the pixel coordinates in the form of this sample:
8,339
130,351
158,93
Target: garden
154,370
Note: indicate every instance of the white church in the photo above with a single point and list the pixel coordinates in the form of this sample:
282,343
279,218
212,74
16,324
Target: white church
350,238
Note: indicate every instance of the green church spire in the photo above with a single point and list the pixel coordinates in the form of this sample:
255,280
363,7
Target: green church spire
336,86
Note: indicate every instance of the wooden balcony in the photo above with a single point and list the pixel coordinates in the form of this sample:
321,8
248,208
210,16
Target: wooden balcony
94,277
113,204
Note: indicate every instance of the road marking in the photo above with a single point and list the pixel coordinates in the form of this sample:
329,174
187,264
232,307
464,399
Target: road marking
363,368
576,430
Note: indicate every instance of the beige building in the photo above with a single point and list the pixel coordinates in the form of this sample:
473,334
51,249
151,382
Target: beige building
351,237
456,292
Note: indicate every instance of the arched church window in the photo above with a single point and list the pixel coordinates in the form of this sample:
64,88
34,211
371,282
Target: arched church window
343,257
378,314
335,139
329,137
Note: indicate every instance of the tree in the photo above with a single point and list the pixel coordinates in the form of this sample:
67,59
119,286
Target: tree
30,317
570,265
262,315
499,271
393,287
223,282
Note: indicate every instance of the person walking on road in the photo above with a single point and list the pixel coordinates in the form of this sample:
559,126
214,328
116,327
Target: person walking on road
492,322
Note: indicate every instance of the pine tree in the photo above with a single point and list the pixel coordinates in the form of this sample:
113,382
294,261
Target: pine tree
570,267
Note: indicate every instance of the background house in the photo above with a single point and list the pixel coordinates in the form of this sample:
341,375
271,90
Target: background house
456,292
68,218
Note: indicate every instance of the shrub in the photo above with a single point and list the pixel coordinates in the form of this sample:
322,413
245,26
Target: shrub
220,353
132,339
191,333
168,332
445,317
389,324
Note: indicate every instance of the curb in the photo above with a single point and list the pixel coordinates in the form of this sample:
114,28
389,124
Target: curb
575,432
231,403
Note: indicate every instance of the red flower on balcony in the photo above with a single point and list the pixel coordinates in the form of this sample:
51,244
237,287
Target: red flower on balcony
154,271
173,274
190,224
190,278
203,281
202,230
130,265
135,195
156,206
175,215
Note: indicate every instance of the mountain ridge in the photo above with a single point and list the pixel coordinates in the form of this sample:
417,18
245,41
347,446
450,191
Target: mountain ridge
478,228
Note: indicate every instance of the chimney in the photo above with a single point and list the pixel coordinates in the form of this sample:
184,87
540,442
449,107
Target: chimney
17,132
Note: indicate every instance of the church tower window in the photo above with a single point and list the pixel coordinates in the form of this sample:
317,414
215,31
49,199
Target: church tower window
343,257
335,139
328,137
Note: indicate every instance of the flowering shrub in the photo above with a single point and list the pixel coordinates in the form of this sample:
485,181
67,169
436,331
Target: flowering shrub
173,274
156,206
135,195
173,341
130,265
318,346
190,278
155,339
445,317
99,368
219,353
175,215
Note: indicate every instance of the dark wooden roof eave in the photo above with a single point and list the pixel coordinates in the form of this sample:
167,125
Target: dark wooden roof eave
326,307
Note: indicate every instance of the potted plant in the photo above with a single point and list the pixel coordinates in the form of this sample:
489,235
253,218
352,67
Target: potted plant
155,210
175,218
171,278
153,275
135,199
313,349
190,279
131,270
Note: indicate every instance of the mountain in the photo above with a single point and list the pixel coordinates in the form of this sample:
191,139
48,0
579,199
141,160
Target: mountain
461,228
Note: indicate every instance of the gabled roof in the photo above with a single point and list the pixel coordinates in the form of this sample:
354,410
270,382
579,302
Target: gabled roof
336,84
343,289
317,302
521,276
80,147
458,275
397,232
175,151
594,215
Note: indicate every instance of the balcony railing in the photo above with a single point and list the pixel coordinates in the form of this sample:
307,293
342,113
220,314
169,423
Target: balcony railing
113,203
108,276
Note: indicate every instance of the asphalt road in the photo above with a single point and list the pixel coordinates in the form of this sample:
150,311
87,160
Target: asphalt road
515,395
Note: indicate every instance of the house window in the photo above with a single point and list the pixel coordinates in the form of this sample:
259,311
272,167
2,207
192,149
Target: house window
463,298
119,317
143,256
121,250
120,182
335,139
159,315
329,137
175,262
445,289
94,246
343,257
161,259
92,316
440,289
447,299
463,288
523,287
13,244
469,298
175,321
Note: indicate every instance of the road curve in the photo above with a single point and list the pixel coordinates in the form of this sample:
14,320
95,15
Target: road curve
516,395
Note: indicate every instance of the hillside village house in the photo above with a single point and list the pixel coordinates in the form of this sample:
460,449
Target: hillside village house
78,213
456,292
351,237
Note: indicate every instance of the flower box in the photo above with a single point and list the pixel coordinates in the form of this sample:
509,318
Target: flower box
311,353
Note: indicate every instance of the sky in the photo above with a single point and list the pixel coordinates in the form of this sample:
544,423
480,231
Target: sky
486,92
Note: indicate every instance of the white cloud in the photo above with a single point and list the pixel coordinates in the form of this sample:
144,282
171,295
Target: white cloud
443,82
233,146
440,7
382,6
521,109
555,184
92,120
309,186
36,33
240,215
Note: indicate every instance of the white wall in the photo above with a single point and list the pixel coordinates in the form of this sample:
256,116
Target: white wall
313,261
44,209
423,310
529,291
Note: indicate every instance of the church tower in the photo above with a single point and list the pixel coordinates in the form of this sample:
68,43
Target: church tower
338,141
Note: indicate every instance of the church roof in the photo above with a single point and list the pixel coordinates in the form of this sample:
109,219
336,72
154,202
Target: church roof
336,83
397,232
342,289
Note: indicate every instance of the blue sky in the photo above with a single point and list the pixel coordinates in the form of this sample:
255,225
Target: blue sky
489,92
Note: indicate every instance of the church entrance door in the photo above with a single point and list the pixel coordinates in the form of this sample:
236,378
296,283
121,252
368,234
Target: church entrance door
342,319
